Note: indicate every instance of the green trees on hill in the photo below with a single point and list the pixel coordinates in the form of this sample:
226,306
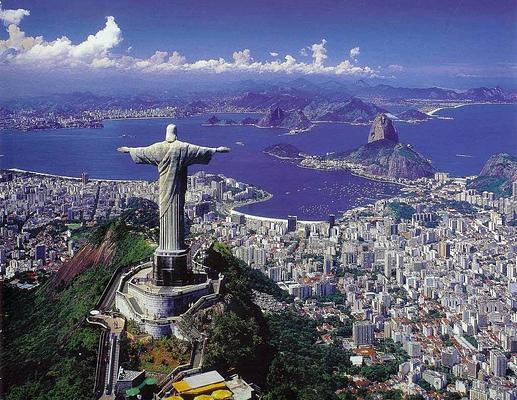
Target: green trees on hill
399,210
49,350
279,351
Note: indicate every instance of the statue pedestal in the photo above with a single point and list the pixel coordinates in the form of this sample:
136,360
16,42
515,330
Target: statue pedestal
171,267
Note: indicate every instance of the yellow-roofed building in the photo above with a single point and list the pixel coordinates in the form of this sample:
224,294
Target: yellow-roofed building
204,383
211,383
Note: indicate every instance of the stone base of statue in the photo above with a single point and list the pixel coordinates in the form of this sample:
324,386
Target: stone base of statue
171,267
166,310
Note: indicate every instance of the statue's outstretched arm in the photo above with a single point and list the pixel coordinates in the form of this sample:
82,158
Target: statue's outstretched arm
152,154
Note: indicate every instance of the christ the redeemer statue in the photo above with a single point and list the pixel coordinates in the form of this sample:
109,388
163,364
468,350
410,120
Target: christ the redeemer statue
172,157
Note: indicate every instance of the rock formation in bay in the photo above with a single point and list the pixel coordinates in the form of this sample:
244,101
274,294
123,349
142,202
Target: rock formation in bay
278,118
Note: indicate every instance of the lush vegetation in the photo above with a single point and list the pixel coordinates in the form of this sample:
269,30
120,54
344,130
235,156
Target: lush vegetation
238,336
399,210
49,350
160,355
284,347
301,368
472,340
460,206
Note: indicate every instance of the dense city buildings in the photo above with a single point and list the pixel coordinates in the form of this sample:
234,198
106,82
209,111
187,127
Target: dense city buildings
433,271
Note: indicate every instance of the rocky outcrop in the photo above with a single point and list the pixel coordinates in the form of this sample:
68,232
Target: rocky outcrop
390,159
384,156
278,118
497,175
383,129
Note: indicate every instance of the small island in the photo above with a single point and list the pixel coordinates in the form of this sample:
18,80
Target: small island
284,151
413,116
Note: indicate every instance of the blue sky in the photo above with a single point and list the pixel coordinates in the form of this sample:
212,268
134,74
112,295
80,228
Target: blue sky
448,43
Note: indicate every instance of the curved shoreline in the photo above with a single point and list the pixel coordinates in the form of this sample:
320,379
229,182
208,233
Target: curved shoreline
432,112
24,171
231,210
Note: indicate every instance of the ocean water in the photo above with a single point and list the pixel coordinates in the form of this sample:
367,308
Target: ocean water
459,145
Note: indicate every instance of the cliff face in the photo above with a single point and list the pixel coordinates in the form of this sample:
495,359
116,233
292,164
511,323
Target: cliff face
278,118
501,165
394,160
497,175
382,128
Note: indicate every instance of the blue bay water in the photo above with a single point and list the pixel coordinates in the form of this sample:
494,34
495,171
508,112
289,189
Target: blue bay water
475,131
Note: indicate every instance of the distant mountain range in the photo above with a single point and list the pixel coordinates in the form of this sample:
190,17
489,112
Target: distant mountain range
330,99
301,92
86,101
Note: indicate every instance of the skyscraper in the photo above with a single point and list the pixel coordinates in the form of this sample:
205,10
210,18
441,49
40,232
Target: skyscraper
84,178
363,333
498,363
332,221
291,223
40,252
444,249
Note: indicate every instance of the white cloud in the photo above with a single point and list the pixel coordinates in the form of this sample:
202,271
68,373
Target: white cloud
395,68
319,53
62,51
303,52
242,57
273,54
97,52
354,53
100,43
12,17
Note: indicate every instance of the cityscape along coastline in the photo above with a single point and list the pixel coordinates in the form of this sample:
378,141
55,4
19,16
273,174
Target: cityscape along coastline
258,200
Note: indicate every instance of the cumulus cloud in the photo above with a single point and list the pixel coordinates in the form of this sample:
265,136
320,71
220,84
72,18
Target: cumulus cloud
12,17
395,68
319,53
29,50
273,54
242,57
303,52
97,51
354,53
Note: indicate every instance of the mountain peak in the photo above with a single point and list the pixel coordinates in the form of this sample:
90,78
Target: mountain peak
382,128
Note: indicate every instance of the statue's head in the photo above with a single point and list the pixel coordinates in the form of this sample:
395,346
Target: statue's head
172,133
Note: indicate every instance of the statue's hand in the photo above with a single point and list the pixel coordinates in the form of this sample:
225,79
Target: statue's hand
223,149
123,149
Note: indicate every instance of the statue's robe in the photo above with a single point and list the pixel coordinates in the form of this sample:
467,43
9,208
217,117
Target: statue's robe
172,160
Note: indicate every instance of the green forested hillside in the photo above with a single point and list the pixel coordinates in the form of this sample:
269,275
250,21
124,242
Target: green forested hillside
49,350
278,351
